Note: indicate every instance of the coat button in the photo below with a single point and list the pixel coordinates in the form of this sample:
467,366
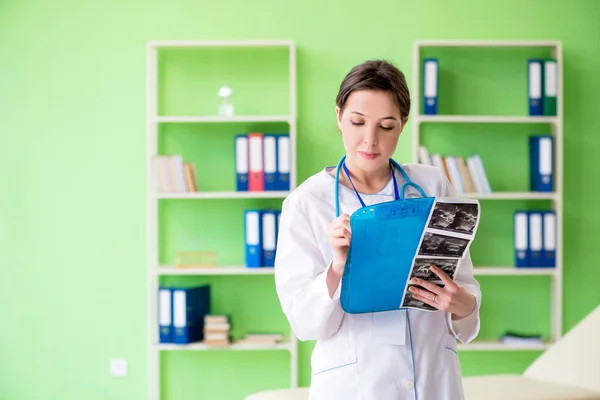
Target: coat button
409,385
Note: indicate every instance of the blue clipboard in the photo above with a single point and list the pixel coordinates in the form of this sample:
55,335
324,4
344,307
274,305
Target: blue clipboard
384,242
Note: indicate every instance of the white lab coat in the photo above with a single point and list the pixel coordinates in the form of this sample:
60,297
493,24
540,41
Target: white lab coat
365,356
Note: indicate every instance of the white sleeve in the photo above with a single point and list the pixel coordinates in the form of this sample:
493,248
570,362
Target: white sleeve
300,272
467,328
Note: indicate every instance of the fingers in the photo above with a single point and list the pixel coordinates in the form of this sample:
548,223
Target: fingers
430,286
425,296
343,221
340,242
450,284
340,233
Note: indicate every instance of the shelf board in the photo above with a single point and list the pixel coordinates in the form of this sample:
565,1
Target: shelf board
223,195
495,119
169,270
485,43
235,346
249,43
496,345
215,118
511,196
513,271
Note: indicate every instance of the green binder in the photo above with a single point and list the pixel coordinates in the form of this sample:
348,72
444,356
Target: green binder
550,87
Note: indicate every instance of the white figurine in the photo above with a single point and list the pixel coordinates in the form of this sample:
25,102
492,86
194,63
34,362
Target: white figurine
226,108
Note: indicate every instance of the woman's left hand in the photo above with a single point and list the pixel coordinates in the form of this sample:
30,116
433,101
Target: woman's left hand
451,298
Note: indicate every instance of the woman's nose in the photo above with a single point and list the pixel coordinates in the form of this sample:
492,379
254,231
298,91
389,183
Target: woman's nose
370,137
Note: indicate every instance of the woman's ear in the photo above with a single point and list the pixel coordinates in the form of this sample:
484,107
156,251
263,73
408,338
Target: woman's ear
338,113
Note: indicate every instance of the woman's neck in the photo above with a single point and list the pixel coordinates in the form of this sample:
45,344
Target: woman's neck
368,182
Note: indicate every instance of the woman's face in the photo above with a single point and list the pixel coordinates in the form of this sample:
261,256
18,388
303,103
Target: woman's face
371,125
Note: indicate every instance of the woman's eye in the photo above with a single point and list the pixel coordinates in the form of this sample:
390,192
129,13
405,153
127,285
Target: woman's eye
387,128
357,123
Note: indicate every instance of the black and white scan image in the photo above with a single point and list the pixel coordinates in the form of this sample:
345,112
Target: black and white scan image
410,301
442,246
455,217
421,268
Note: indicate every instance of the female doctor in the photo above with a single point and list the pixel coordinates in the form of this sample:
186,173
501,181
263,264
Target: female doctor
399,354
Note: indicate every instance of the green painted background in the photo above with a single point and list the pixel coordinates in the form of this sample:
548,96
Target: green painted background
72,208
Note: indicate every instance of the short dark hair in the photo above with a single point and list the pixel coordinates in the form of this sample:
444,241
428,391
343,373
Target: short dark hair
376,75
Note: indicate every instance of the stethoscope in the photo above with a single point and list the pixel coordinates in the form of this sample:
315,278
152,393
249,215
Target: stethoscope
398,195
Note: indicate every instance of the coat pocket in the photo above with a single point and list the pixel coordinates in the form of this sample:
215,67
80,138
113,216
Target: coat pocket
454,384
337,351
451,346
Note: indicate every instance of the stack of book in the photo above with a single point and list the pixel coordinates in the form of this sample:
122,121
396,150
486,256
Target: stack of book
216,330
172,174
465,175
261,339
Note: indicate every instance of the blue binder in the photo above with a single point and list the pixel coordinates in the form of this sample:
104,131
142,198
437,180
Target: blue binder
430,86
241,162
190,306
541,163
270,161
549,239
165,315
536,244
376,242
521,236
269,237
252,236
535,79
283,162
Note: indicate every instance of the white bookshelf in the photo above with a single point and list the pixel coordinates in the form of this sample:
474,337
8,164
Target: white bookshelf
512,271
213,271
222,195
479,119
556,197
286,346
512,196
208,119
156,270
490,345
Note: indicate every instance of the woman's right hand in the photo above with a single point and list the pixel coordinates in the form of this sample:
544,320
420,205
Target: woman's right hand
339,234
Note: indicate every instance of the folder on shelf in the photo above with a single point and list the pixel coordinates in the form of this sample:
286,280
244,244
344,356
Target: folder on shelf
165,311
535,239
550,87
549,239
269,232
535,79
541,163
241,162
521,236
430,86
283,162
256,177
270,161
190,306
252,229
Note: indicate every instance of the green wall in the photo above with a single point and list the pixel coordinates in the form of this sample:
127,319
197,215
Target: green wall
72,230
